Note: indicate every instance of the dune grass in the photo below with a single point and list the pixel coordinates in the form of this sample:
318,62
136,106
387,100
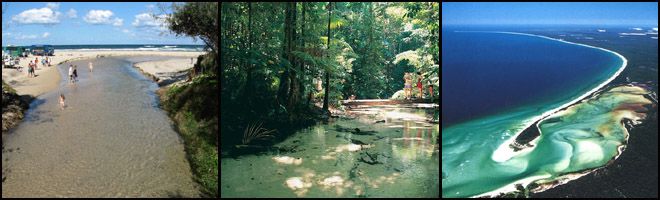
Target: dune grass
194,109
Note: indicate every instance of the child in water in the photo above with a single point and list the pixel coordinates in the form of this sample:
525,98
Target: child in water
62,101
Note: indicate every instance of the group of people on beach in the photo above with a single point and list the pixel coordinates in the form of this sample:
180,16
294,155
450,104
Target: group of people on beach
408,81
32,66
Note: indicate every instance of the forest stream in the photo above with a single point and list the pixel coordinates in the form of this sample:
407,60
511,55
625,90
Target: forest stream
382,151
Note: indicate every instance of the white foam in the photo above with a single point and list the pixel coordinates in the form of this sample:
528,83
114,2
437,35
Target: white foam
503,152
512,187
637,29
602,30
632,33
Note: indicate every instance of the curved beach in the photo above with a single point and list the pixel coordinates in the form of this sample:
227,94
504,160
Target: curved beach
503,153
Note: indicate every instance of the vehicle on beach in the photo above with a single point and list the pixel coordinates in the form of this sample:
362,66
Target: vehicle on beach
7,59
42,50
14,51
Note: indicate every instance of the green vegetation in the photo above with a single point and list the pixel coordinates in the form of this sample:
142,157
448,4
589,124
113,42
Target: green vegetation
288,64
13,107
194,106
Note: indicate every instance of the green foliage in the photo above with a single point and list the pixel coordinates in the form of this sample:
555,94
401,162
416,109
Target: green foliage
194,109
361,59
196,19
202,154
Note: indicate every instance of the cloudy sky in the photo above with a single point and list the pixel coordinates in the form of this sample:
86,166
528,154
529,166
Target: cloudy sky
86,23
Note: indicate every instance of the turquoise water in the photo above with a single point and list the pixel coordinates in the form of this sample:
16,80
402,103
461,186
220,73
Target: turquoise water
486,73
476,158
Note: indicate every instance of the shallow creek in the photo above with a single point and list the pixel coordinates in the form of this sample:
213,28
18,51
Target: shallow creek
111,140
394,154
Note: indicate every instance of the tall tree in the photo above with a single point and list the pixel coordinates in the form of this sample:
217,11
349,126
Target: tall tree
196,19
289,92
327,72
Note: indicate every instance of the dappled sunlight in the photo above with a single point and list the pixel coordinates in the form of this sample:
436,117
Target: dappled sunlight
379,181
301,184
332,155
287,160
299,187
335,182
336,162
295,183
350,147
332,181
332,107
329,157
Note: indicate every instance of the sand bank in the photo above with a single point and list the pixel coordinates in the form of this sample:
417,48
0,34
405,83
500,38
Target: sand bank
48,78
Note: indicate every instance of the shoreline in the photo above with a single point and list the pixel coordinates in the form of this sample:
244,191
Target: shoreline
165,72
504,152
626,124
48,80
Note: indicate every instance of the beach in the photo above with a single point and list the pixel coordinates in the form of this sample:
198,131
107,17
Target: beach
110,139
166,71
47,78
505,129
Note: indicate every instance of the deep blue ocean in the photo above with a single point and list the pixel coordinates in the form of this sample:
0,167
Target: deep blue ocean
489,73
129,47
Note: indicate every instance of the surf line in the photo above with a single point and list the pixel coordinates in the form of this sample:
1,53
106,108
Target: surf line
504,152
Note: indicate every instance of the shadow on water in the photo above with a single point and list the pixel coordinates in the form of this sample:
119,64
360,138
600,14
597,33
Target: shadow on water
36,115
374,152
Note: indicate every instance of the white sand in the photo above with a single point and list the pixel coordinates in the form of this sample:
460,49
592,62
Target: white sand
48,78
167,70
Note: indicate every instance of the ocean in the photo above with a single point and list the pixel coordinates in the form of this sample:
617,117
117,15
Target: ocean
497,84
488,73
129,47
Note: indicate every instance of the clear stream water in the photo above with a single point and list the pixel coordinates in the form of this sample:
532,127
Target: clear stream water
401,160
111,140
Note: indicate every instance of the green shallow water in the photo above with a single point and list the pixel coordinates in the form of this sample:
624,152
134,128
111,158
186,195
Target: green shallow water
573,141
325,163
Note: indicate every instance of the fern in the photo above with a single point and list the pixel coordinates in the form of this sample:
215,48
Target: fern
254,131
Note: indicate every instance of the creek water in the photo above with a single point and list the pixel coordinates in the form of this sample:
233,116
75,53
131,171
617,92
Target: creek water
394,154
111,139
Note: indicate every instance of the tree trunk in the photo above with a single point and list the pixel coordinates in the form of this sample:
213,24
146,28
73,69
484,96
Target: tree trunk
327,72
294,89
302,46
283,91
